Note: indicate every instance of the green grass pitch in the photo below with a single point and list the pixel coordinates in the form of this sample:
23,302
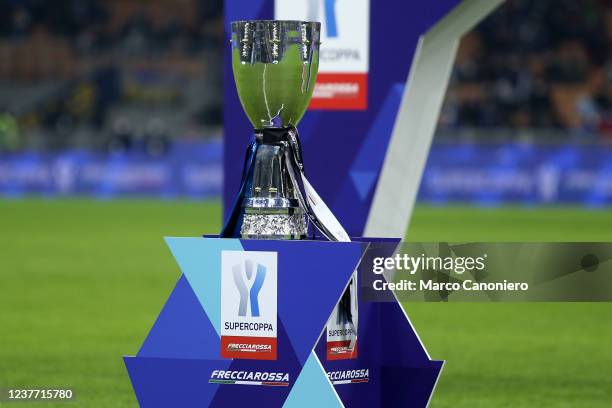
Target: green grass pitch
81,283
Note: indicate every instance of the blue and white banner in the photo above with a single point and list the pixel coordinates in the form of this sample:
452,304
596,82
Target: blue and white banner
485,174
190,169
493,174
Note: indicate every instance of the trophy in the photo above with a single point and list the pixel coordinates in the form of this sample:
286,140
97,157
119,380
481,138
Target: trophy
275,66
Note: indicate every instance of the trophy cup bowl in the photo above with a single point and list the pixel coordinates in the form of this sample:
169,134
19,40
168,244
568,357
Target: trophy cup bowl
275,66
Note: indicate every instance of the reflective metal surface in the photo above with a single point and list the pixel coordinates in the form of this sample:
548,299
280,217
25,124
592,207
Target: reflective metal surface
275,66
274,226
270,202
271,207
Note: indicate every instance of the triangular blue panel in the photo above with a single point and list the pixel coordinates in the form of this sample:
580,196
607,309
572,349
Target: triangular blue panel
173,382
367,163
363,181
372,152
200,262
182,329
312,388
402,345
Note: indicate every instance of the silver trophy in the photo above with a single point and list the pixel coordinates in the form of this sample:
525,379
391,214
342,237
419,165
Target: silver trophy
275,66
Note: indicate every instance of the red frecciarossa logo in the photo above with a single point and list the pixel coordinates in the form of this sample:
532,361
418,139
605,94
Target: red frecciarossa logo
255,348
341,350
340,91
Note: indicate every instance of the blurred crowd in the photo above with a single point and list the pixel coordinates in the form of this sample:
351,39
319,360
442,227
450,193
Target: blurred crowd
108,73
94,25
538,65
123,74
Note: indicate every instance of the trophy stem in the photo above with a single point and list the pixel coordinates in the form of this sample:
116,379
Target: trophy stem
269,203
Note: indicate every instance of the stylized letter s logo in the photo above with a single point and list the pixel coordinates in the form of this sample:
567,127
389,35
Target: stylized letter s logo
245,293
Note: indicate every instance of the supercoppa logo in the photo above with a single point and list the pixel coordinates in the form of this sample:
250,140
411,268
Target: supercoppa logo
245,277
249,294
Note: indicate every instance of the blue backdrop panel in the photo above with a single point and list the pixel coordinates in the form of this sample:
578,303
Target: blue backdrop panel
312,389
343,150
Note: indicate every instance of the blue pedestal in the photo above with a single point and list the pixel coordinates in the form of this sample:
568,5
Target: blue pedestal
180,363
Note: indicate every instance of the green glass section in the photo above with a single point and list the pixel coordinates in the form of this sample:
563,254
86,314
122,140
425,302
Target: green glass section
276,94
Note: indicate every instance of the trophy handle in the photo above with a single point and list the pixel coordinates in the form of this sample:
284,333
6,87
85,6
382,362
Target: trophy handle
316,209
305,203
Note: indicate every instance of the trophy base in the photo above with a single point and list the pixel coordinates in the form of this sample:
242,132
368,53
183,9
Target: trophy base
274,226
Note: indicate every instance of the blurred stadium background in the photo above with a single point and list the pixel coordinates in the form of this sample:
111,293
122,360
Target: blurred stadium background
110,138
